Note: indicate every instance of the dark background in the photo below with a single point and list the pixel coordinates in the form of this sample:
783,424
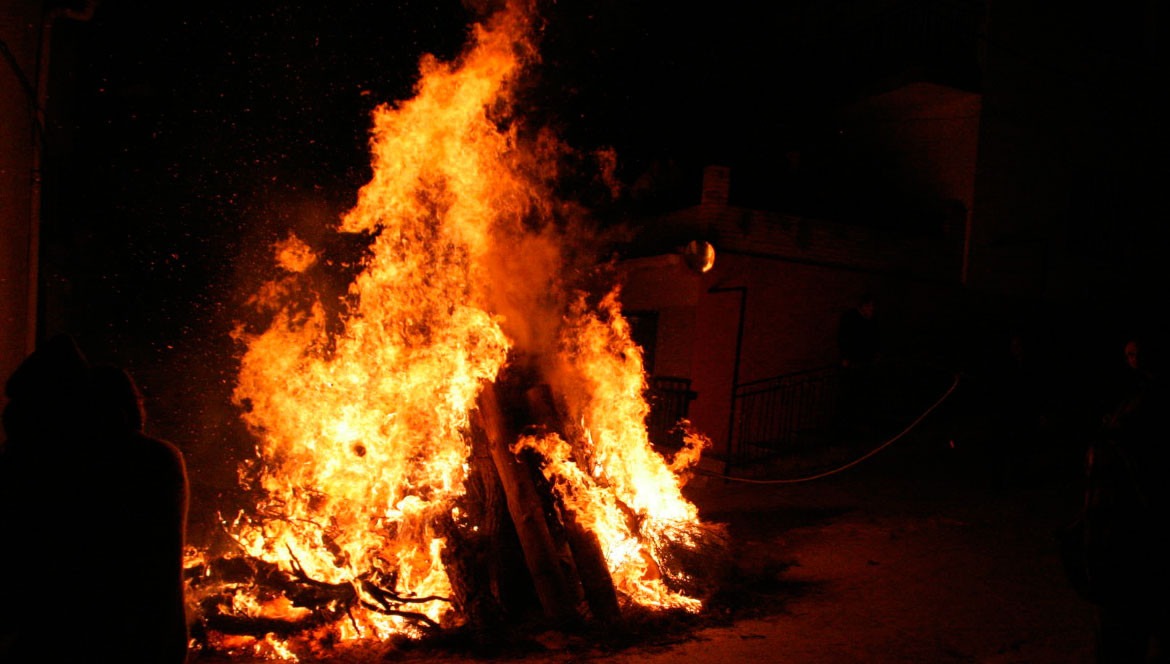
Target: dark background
185,137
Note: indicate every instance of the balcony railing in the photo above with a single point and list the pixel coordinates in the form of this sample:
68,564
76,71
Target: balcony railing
778,415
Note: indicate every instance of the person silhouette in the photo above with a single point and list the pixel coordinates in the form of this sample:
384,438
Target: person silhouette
143,481
1126,506
859,346
94,512
857,334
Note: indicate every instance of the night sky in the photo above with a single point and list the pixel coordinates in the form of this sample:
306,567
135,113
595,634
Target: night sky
185,137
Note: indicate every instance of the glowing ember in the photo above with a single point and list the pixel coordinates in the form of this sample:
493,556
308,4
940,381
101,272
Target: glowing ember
363,427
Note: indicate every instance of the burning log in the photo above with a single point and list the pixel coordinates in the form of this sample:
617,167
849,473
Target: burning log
524,506
491,584
587,553
304,604
388,600
296,603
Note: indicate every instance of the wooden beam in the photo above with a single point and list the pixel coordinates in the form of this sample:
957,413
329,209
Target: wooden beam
588,555
524,506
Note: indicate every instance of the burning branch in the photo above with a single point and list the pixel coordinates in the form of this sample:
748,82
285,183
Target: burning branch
386,601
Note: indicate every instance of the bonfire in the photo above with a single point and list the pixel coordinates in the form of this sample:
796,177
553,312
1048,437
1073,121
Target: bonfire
463,435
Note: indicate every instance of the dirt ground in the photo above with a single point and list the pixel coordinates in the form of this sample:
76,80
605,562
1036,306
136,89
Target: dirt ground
916,562
920,554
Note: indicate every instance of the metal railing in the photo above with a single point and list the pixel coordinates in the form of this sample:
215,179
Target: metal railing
781,414
670,398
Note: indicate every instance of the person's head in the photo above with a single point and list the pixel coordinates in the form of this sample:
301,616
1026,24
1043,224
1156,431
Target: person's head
46,390
1133,354
1016,346
116,400
867,305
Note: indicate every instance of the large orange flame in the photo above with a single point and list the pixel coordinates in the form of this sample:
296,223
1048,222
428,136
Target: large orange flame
362,427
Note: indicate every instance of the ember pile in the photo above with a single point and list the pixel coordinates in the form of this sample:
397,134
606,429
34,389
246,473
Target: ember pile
464,434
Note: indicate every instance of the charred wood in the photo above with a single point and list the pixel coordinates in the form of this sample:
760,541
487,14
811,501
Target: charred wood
483,558
527,512
325,601
596,580
259,627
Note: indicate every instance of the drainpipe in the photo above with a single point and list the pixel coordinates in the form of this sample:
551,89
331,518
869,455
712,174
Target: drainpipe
42,96
965,268
742,290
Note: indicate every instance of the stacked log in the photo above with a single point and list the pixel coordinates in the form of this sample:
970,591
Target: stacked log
528,546
526,509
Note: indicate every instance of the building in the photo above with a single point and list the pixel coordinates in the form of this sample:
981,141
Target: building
761,322
18,39
979,165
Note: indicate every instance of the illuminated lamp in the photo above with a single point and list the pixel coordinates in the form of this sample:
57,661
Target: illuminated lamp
699,255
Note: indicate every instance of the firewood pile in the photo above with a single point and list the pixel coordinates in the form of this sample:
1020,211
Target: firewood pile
527,562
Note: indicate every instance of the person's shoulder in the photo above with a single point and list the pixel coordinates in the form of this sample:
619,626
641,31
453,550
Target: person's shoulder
156,450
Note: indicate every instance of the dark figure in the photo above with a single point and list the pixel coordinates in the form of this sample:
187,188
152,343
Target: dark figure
96,511
1018,402
42,559
1126,512
857,335
857,341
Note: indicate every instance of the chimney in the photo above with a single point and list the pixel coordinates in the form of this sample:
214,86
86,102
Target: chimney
716,184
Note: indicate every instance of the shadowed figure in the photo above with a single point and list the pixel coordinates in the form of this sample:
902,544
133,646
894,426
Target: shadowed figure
1019,400
859,345
1126,508
857,334
94,516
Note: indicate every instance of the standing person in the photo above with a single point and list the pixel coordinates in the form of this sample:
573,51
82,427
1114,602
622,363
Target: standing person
859,347
1018,400
41,557
94,512
857,334
143,481
1127,506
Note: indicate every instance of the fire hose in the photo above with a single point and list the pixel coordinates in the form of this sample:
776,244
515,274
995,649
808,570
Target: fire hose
795,480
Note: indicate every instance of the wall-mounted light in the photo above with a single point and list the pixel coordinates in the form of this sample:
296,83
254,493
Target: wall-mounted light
699,256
